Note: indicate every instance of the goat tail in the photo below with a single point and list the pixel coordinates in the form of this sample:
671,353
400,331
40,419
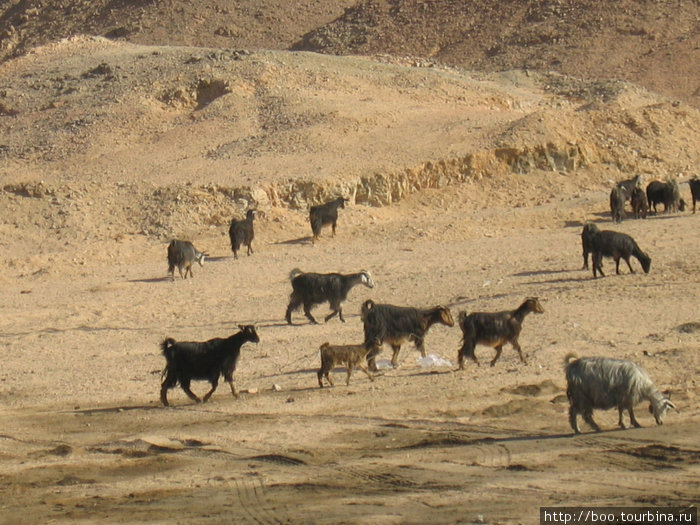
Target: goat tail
366,307
570,357
294,273
166,345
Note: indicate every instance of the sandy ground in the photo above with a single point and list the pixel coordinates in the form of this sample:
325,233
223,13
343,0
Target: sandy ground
85,439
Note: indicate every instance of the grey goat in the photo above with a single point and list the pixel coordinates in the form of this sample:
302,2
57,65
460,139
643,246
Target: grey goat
183,254
604,383
309,289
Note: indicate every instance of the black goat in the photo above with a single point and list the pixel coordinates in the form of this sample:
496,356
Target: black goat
183,254
617,245
639,203
325,214
617,204
394,325
666,193
494,329
309,289
589,230
186,361
694,190
241,233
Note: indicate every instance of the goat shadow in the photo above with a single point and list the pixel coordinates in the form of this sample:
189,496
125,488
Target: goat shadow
151,280
218,258
301,240
433,372
539,272
579,224
578,278
107,410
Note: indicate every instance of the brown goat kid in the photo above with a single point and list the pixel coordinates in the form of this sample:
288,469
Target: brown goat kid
352,356
494,329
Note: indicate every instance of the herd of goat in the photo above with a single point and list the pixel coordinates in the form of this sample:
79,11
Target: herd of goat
592,382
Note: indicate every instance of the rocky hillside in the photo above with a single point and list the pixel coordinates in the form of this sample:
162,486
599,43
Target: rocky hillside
654,44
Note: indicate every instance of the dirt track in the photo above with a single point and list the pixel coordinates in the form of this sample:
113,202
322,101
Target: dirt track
84,437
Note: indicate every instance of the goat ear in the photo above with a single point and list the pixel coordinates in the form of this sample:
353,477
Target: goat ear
242,327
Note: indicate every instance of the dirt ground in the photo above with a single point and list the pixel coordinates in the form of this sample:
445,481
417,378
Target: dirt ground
84,437
108,152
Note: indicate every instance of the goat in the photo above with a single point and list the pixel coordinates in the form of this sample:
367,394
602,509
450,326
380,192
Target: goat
617,204
589,230
349,355
309,289
694,190
603,383
494,329
241,233
666,193
639,203
394,325
607,243
628,185
208,360
325,214
183,254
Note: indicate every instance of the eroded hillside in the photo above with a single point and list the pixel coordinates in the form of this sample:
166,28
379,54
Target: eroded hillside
160,140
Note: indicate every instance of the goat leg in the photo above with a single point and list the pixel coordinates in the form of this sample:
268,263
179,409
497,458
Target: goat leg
395,355
420,346
364,369
333,313
516,345
633,419
208,394
620,422
349,368
499,349
307,313
164,395
233,388
190,394
572,420
588,417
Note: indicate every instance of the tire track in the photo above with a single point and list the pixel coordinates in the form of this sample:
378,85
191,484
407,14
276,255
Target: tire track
254,504
492,455
380,479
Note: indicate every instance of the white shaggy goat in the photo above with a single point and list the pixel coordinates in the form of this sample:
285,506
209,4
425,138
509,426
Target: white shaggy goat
603,383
